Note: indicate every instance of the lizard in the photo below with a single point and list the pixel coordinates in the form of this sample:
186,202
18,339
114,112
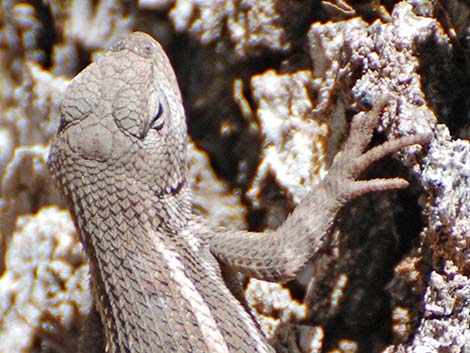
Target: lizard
163,278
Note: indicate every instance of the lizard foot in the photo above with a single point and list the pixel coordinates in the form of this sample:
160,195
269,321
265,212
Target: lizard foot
353,160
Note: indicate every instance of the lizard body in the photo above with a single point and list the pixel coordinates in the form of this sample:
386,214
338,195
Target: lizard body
119,158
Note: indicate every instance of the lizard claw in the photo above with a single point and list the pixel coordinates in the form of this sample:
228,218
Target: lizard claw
362,128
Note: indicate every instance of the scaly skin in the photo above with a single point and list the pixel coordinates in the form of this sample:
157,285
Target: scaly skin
119,157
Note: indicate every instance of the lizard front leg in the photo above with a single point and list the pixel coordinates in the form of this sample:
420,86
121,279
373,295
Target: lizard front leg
281,254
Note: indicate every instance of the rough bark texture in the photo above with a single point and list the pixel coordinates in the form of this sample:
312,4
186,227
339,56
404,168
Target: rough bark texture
269,87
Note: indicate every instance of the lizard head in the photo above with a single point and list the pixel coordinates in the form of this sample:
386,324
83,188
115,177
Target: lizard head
123,116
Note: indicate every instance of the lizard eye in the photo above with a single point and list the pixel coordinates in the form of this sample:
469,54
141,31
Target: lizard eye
157,122
62,124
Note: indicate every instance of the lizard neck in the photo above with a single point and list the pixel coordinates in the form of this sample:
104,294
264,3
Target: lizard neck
140,209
